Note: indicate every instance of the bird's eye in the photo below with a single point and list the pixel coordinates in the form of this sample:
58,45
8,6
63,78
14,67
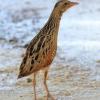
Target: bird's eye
65,4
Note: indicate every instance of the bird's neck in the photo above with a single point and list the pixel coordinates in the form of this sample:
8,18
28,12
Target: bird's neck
53,23
56,15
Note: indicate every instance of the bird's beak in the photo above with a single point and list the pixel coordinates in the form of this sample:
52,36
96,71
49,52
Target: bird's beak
73,3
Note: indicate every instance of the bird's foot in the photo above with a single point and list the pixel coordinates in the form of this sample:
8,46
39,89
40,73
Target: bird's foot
34,98
50,97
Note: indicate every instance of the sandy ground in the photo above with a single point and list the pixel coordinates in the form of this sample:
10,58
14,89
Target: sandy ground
74,74
65,83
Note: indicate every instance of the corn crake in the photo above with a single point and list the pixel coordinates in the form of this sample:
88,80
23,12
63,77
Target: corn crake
42,48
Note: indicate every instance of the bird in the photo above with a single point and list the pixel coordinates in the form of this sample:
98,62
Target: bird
42,48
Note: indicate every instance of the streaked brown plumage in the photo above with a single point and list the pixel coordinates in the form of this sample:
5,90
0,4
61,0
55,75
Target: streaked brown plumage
42,48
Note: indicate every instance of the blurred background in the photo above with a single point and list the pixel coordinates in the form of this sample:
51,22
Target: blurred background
77,64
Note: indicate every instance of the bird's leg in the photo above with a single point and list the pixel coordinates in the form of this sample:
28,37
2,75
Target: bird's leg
46,87
34,85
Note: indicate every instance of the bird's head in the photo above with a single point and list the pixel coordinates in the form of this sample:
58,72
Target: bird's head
63,5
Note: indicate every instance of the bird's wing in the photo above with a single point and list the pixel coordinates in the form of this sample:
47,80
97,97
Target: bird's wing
32,50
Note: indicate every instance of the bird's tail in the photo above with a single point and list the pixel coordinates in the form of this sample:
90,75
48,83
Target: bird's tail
23,74
19,76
